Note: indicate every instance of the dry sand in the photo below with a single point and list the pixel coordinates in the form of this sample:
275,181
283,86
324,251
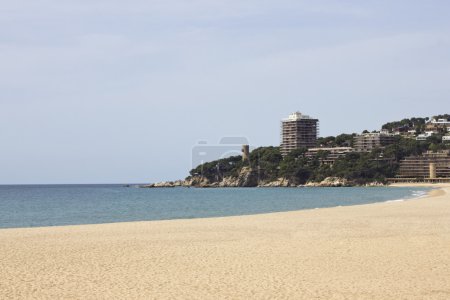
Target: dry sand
394,250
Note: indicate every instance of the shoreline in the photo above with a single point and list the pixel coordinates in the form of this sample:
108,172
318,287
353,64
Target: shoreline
436,187
369,251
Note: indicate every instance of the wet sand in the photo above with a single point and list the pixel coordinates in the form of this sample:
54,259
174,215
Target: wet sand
393,250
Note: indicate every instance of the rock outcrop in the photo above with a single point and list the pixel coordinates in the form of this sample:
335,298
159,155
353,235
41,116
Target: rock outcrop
197,181
168,184
246,178
329,182
280,182
375,183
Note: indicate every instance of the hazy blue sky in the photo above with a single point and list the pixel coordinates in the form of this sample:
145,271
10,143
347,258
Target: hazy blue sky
119,91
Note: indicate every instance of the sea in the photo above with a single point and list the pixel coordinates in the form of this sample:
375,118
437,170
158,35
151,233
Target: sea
56,205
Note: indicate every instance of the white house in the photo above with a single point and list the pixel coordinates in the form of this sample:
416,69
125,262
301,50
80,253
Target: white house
424,136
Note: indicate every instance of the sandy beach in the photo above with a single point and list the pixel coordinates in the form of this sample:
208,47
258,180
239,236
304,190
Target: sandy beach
392,250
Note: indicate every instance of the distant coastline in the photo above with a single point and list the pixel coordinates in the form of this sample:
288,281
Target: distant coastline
199,182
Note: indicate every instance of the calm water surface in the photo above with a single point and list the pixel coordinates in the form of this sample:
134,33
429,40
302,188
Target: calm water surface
51,205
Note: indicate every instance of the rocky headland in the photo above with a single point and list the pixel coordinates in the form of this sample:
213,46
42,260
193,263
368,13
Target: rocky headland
249,178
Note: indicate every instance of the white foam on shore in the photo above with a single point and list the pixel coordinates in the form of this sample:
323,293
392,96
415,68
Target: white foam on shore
414,195
399,200
419,194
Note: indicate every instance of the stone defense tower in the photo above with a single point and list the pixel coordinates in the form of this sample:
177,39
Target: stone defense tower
298,131
246,153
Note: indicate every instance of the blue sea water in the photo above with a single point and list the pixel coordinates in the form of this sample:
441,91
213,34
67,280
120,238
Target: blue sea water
52,205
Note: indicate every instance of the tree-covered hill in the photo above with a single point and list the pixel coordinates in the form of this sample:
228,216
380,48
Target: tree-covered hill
268,164
417,124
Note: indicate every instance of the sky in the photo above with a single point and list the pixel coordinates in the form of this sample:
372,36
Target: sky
109,91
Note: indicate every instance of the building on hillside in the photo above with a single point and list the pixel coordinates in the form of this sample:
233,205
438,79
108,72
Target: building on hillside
446,139
410,134
330,155
298,131
367,142
424,136
401,130
429,165
438,125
